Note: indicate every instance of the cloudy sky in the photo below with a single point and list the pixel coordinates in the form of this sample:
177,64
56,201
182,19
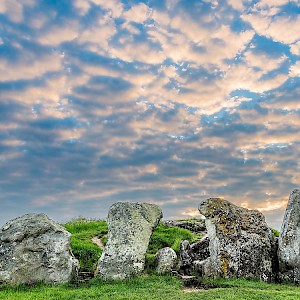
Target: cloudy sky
169,102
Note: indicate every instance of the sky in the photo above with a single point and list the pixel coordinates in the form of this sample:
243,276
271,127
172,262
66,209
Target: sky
168,102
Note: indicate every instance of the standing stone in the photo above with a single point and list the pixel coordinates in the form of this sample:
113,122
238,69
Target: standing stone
33,248
289,240
130,228
166,260
185,258
240,242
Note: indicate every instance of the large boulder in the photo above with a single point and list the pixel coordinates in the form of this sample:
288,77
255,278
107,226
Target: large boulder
289,240
240,242
130,228
33,248
166,259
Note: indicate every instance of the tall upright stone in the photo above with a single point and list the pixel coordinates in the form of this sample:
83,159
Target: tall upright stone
289,240
34,248
130,228
240,242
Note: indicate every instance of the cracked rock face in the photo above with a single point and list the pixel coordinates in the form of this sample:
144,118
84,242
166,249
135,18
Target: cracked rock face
34,248
130,228
240,242
289,240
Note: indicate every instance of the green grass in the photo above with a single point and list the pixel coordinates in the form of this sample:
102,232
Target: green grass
83,248
276,233
89,253
165,236
154,287
146,286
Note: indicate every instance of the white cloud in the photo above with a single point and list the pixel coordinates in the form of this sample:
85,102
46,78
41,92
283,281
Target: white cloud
270,3
180,37
263,61
295,70
14,8
30,67
50,96
295,48
99,34
236,4
281,26
116,7
242,77
59,34
275,28
142,52
82,5
138,13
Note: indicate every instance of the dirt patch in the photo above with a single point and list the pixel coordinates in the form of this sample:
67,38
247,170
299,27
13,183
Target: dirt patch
98,242
192,290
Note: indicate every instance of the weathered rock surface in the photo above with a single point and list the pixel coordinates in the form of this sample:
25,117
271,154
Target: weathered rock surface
130,228
166,259
185,258
191,254
34,248
200,250
240,241
289,240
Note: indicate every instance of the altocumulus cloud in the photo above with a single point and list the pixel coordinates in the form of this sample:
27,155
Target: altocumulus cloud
168,102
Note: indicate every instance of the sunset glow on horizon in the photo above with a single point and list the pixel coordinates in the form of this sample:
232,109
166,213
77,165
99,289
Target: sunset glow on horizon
168,102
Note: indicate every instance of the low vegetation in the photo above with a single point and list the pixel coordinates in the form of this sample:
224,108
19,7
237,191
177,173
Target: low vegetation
148,286
165,236
86,251
154,287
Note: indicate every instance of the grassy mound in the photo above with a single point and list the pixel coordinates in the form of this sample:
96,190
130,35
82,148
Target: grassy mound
88,253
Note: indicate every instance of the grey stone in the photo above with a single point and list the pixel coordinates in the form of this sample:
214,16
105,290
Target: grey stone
190,256
34,248
191,225
185,258
130,228
240,242
200,250
166,260
289,240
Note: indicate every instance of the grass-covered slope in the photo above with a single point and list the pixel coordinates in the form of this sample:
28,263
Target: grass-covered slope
87,252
